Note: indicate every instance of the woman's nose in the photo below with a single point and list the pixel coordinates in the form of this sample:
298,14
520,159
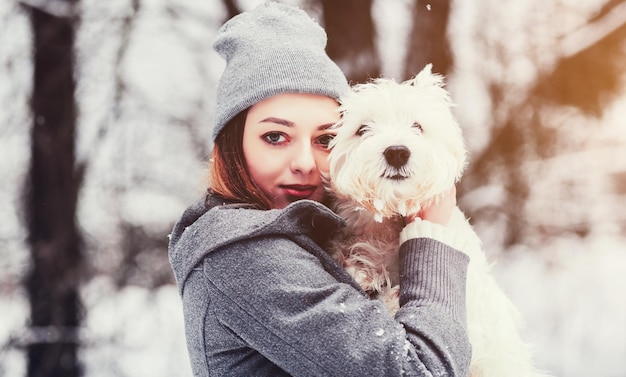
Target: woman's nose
303,161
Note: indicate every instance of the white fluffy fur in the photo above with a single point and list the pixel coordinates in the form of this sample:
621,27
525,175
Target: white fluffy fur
372,195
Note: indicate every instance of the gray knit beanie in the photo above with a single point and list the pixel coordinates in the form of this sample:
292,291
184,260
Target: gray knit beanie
270,50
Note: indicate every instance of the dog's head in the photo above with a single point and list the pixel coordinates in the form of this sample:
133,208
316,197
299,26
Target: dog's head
398,146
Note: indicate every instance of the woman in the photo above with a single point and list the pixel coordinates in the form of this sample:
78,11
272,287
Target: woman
261,297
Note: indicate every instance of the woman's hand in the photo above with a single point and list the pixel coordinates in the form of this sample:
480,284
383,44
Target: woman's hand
439,211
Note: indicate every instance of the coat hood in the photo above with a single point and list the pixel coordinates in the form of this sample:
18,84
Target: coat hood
211,224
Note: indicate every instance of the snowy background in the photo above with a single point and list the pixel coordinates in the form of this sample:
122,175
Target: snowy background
146,164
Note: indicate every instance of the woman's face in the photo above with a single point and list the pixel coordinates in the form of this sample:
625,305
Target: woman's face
285,145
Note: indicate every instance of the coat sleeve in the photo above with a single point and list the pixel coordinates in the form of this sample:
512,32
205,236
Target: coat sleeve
278,297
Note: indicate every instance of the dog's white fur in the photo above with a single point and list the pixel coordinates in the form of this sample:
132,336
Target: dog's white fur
373,195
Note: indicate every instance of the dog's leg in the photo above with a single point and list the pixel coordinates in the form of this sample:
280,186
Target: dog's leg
492,319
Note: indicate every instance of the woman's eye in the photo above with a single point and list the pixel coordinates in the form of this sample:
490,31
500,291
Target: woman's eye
363,129
274,137
325,140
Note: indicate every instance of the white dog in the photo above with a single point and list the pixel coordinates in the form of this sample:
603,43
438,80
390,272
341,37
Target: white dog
398,147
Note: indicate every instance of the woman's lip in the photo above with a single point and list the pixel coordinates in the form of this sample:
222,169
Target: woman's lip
298,191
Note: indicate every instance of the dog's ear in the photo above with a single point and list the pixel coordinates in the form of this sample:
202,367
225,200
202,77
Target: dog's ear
426,78
426,71
430,82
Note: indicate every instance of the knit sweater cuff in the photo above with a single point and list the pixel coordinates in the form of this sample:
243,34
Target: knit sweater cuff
425,229
433,274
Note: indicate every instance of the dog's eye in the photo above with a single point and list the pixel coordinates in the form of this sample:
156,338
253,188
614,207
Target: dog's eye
418,126
363,129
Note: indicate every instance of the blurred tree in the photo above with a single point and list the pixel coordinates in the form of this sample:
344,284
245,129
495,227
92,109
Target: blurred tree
428,39
54,181
587,75
588,64
352,38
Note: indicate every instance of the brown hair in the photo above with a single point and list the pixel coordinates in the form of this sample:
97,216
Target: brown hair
229,176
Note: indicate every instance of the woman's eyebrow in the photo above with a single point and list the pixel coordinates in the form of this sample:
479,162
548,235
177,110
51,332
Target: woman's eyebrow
280,121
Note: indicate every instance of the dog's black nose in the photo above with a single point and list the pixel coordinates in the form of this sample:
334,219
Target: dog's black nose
397,155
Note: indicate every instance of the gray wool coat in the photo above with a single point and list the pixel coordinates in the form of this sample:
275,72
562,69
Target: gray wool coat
262,298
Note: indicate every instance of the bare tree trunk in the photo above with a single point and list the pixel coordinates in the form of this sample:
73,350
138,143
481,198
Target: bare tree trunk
54,181
428,41
351,38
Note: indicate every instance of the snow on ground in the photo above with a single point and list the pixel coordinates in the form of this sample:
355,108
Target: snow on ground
134,332
571,296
